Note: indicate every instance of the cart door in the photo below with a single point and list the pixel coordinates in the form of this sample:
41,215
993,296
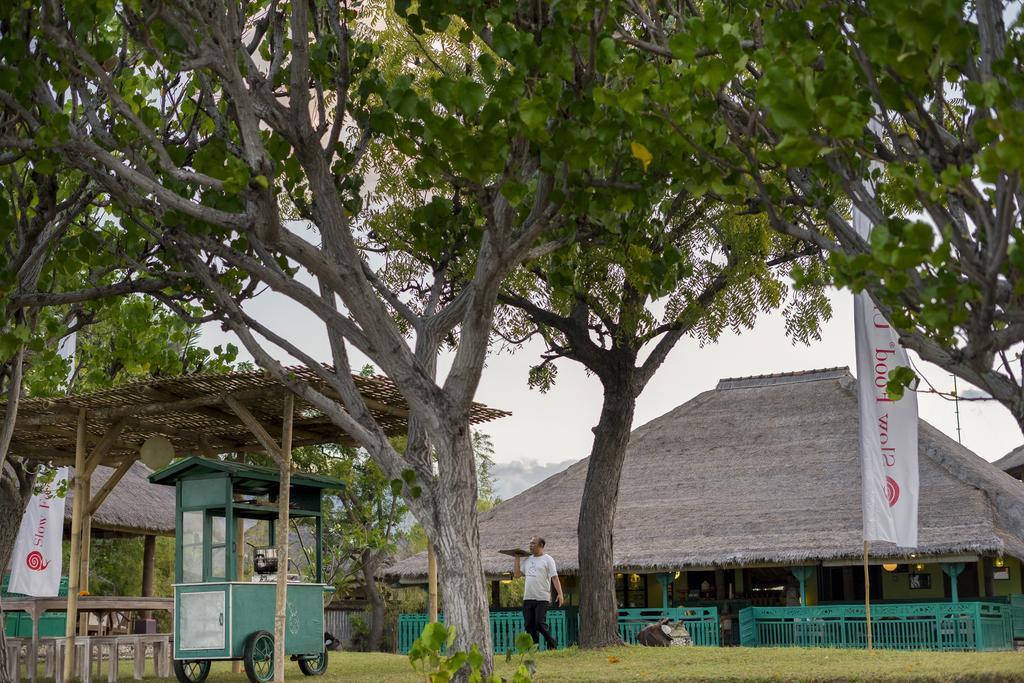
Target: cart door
202,622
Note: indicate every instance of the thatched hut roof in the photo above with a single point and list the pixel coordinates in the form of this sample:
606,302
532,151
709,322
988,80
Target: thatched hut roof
1012,463
133,507
760,470
190,410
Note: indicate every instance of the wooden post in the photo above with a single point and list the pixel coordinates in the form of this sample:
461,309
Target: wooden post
431,583
77,508
664,579
867,595
83,575
283,497
148,565
952,570
236,666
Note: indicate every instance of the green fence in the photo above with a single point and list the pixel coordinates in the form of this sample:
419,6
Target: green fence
505,626
1017,611
701,622
920,626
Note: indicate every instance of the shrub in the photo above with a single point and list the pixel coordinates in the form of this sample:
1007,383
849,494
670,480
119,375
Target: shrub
428,658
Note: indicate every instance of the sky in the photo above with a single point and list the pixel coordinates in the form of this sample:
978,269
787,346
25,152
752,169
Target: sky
548,432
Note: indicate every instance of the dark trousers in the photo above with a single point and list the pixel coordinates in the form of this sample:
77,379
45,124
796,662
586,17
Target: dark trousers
535,614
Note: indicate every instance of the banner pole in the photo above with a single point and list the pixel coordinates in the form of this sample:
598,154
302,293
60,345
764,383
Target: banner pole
867,595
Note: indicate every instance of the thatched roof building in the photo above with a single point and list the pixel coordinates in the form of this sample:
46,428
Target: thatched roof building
759,471
1012,463
134,507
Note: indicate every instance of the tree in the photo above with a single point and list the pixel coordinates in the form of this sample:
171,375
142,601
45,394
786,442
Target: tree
674,266
483,448
61,261
361,526
209,125
910,113
125,339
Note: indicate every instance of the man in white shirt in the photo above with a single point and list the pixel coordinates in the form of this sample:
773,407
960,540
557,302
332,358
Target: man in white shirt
539,570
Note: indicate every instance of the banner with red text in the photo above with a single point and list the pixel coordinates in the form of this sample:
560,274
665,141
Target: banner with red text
36,561
888,429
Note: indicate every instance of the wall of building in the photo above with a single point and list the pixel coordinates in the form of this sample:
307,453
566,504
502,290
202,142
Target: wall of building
896,585
1014,583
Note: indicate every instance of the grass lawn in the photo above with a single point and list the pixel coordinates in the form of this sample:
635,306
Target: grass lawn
700,664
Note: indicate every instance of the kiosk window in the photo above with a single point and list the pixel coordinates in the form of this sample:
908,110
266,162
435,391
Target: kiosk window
218,551
192,547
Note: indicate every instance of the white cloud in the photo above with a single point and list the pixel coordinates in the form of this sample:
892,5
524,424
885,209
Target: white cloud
511,478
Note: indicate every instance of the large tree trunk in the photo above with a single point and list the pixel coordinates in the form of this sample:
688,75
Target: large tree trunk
371,560
456,540
598,608
15,491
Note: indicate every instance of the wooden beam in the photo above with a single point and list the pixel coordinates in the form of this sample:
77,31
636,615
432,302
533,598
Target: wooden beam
35,452
257,429
101,449
373,404
77,508
109,484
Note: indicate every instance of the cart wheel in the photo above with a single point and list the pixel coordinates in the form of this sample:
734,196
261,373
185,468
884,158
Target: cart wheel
191,670
314,666
258,657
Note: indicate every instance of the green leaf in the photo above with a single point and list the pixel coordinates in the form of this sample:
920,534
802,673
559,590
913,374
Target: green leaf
513,191
534,113
524,642
900,379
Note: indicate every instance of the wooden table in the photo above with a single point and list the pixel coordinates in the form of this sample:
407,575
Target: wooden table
101,604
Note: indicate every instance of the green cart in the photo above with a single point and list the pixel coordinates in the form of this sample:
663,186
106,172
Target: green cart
218,616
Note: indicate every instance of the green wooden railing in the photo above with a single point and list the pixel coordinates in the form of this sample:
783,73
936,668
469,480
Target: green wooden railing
921,626
701,622
505,626
1017,612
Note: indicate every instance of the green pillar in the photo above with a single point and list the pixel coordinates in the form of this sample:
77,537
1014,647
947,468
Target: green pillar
664,580
952,570
801,574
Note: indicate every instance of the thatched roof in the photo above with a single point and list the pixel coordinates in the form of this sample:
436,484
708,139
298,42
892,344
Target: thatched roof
1012,463
760,470
134,506
190,410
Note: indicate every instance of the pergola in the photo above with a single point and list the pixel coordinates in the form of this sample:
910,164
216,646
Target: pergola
203,414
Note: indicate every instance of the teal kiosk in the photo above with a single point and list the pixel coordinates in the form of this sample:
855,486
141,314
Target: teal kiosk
218,615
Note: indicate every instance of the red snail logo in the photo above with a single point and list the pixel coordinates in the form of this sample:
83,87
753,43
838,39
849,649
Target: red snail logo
36,562
892,490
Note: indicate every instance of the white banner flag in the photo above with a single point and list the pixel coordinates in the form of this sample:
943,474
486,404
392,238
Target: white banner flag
36,562
888,429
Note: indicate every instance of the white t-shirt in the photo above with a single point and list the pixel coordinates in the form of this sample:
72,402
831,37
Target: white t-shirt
538,571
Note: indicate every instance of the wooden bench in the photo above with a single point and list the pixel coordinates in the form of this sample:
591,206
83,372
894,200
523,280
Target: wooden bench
89,656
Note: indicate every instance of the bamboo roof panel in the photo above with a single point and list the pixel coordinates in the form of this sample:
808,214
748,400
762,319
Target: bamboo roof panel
190,411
